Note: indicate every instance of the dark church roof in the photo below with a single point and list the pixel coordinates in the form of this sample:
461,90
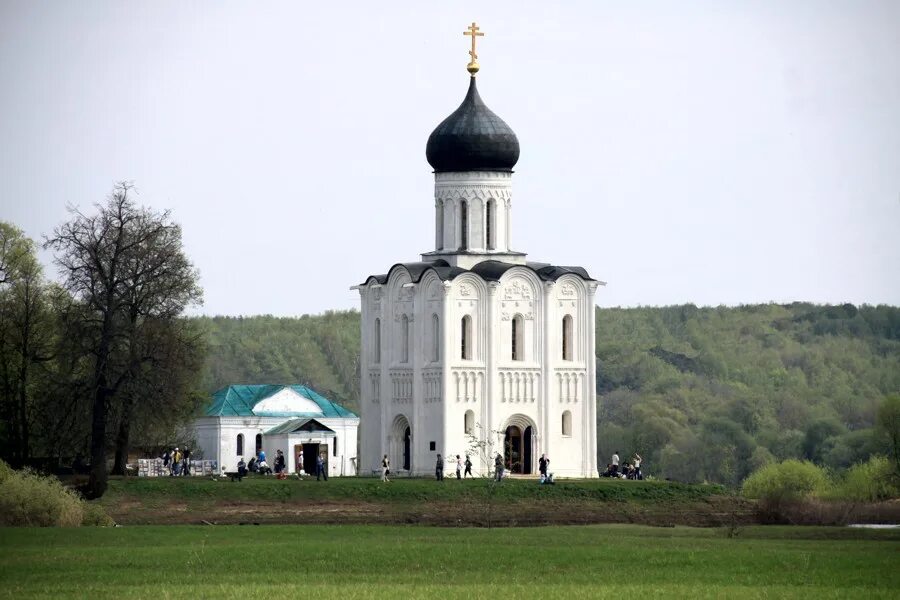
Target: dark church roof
489,270
473,138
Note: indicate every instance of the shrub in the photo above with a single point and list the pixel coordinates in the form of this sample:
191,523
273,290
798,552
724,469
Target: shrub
6,471
95,515
870,481
788,481
27,498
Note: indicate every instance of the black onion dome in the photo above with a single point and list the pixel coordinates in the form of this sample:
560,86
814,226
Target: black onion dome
473,138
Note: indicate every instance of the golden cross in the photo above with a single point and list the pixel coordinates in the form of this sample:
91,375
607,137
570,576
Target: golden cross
473,32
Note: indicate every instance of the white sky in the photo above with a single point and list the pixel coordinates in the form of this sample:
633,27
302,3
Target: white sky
706,152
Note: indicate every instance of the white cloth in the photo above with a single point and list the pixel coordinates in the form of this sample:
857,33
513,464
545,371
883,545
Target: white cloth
615,460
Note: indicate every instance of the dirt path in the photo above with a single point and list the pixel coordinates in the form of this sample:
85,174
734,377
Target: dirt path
709,513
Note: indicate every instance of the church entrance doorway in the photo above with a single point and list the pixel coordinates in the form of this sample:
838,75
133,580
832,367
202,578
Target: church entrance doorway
517,449
518,446
400,444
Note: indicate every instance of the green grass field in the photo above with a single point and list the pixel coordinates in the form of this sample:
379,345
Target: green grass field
607,561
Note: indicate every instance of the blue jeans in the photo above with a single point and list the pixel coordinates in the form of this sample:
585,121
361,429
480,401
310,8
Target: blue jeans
320,472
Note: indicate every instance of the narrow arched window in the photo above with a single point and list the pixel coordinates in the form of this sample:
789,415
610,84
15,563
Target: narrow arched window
463,225
377,340
489,224
404,342
567,338
439,226
567,423
469,423
240,444
435,338
465,338
517,334
258,442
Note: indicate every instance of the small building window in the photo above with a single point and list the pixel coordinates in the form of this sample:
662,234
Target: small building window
404,341
469,423
334,447
240,444
567,338
258,442
567,423
432,446
377,341
517,334
466,338
463,225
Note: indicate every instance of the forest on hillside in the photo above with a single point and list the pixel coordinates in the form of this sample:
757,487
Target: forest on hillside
703,394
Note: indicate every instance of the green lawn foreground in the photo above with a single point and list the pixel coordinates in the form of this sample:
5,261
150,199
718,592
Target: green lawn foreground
603,561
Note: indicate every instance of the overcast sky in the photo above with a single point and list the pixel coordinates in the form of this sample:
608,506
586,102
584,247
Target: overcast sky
705,152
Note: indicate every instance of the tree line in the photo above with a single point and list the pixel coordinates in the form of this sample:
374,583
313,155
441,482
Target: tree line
703,394
103,359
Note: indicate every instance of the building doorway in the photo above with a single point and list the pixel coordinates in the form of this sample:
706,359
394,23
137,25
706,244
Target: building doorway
518,444
310,452
406,444
400,444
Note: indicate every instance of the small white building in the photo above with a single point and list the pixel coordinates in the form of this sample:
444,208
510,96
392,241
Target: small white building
243,419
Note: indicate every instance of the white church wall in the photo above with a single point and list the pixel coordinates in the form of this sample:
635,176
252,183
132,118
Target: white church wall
372,369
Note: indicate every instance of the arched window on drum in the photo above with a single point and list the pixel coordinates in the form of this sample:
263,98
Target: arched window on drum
567,332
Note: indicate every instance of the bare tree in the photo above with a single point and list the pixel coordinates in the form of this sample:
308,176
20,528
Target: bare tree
109,261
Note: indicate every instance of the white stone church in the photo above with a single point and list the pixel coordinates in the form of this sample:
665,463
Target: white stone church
474,341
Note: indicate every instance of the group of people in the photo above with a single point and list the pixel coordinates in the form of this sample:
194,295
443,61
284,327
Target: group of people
178,462
464,468
630,470
259,465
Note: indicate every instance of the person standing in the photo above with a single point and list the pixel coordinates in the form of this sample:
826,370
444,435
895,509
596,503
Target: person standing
320,467
176,462
615,463
637,466
186,470
439,468
279,461
459,466
385,468
498,467
543,464
468,463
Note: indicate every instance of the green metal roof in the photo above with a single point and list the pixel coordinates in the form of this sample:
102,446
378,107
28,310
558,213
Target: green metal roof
304,425
239,400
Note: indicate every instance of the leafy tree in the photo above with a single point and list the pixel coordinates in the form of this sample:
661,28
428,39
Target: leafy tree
24,338
889,425
820,438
